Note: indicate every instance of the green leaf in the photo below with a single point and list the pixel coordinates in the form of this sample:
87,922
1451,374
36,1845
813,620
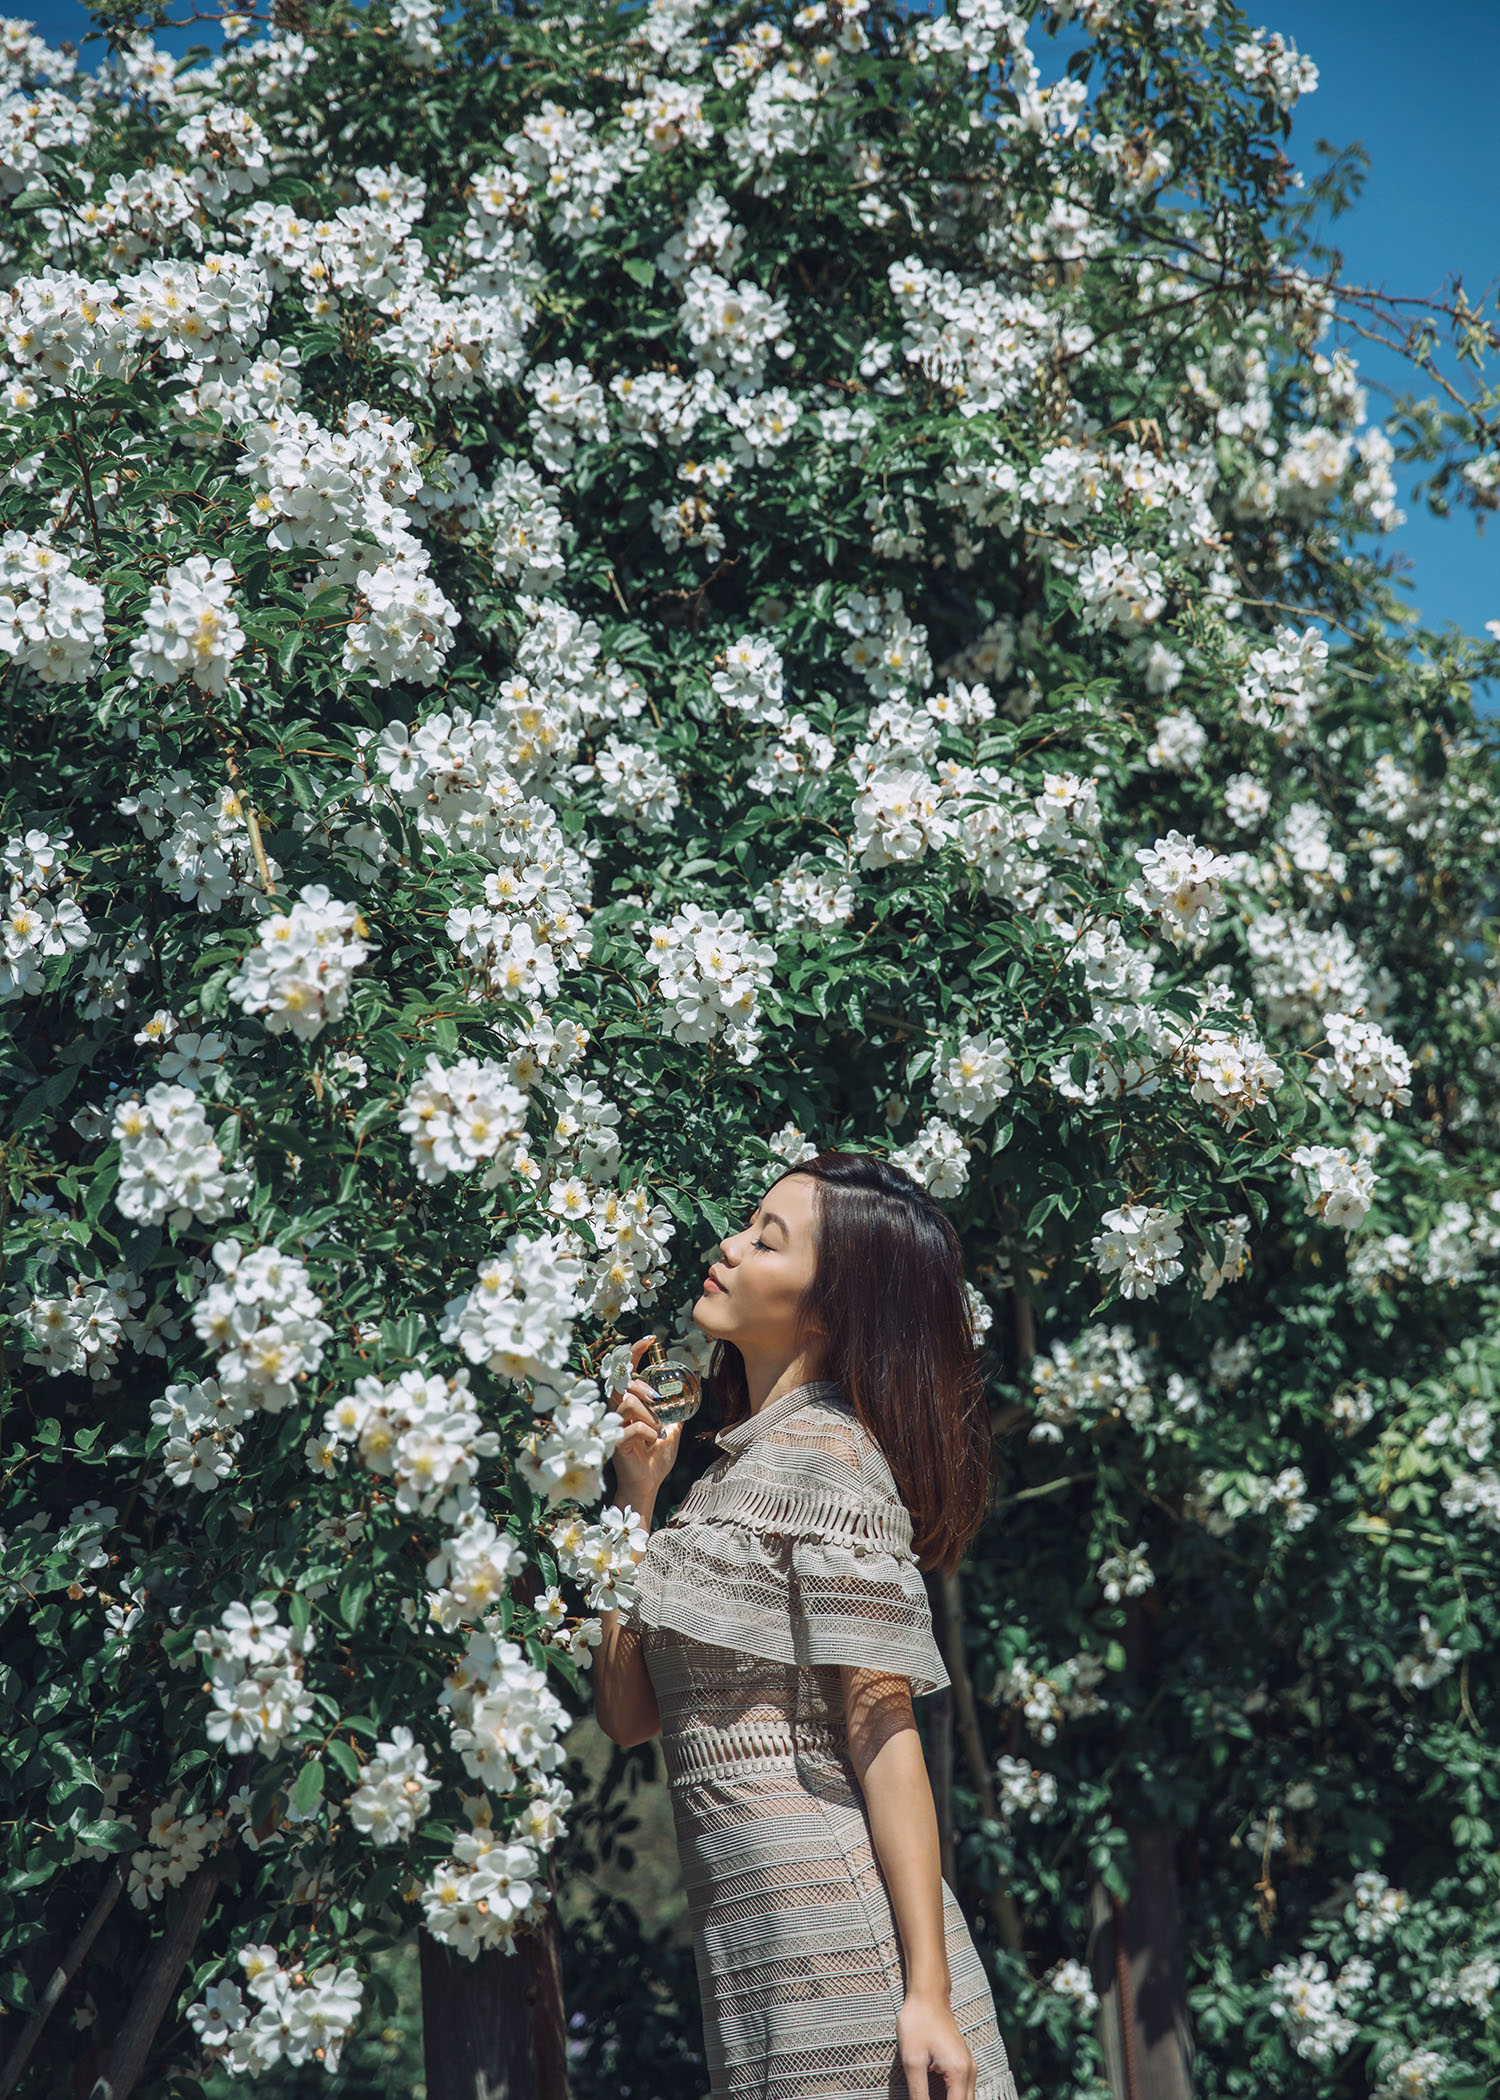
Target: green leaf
353,1598
344,1756
644,273
308,1791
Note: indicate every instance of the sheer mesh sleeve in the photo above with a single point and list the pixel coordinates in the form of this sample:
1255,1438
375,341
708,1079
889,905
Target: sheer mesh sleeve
797,1547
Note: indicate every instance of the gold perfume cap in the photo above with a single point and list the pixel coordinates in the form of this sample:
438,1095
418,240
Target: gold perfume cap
656,1355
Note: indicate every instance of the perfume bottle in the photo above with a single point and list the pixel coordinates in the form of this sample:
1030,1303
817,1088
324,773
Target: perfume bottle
678,1390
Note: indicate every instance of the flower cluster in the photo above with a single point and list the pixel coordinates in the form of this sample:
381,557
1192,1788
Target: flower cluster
255,1680
1364,1065
517,1319
1340,1188
51,619
394,1791
42,917
176,1846
422,1433
602,1557
192,629
299,971
1139,1243
711,971
171,1169
264,1316
292,2016
462,1115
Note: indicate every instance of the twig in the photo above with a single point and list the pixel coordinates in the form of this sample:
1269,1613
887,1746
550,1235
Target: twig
252,825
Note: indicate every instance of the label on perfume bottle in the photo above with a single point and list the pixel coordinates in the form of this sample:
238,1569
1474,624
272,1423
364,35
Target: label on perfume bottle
666,1386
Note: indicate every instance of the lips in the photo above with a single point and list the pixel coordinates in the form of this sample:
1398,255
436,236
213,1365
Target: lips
711,1282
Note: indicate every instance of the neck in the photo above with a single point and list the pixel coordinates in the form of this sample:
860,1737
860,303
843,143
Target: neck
770,1373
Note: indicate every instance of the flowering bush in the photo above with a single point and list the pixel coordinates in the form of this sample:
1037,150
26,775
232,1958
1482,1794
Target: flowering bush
756,581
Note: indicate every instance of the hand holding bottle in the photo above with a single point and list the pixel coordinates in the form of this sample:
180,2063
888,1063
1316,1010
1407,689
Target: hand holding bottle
646,1453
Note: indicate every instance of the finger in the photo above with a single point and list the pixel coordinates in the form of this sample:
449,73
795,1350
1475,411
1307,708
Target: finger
638,1349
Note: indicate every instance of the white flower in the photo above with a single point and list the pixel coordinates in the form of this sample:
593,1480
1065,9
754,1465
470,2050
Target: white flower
1120,591
394,1790
262,1312
518,1317
937,1157
1070,1979
254,1668
1364,1064
710,970
1229,1071
750,680
974,1079
1023,1790
404,632
1126,1574
1139,1243
51,620
1268,61
171,1170
1179,743
1429,1663
602,1557
1306,2001
192,629
464,1115
1340,1188
298,973
1181,884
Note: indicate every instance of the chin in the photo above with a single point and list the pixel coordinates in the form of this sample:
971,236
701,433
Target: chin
702,1315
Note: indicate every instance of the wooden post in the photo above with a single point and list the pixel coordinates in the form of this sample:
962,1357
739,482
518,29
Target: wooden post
62,1976
966,1724
132,2046
495,2028
938,1707
1135,1956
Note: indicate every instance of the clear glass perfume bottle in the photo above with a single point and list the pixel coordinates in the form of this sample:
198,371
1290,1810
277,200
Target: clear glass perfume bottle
677,1388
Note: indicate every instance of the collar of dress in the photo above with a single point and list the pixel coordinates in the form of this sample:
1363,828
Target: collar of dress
776,1411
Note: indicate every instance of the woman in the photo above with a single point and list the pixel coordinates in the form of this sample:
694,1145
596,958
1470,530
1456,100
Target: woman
781,1628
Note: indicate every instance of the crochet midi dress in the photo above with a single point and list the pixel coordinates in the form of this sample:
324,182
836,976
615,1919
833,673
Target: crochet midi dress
790,1556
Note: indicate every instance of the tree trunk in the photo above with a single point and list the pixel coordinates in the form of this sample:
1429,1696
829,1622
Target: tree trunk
1135,1953
495,2028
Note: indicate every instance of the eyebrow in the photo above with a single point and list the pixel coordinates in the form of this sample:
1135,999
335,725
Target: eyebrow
769,1217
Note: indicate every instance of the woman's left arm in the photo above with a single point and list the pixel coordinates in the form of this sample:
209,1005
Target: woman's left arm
887,1755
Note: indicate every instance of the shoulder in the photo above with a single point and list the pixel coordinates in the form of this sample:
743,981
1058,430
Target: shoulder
816,1473
827,1437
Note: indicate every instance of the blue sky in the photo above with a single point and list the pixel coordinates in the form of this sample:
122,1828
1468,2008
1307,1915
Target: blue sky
1422,94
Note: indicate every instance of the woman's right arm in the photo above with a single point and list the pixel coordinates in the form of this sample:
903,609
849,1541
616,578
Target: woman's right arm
624,1697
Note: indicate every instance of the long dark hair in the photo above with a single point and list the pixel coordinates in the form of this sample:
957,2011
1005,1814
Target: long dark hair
888,1298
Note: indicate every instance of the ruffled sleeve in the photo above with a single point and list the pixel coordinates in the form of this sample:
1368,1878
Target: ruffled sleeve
796,1546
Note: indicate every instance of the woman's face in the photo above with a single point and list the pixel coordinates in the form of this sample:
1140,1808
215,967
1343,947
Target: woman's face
751,1297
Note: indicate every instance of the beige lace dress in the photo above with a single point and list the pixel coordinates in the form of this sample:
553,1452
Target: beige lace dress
790,1556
